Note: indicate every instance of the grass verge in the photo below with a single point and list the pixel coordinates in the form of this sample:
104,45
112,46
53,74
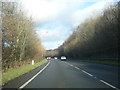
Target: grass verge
107,62
16,72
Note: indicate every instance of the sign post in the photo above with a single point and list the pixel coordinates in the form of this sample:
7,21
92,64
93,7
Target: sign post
33,62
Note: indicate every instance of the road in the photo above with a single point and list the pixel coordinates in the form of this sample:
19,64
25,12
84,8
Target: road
107,73
62,74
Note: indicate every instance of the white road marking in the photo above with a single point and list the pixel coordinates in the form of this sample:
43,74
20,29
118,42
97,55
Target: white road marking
94,77
77,68
87,73
108,84
33,77
71,65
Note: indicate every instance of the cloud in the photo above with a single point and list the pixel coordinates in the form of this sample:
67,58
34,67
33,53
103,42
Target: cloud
52,44
53,35
55,18
49,10
57,34
80,15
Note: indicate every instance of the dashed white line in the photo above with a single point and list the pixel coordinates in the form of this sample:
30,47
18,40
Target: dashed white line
65,62
108,84
77,68
94,77
87,73
33,77
71,65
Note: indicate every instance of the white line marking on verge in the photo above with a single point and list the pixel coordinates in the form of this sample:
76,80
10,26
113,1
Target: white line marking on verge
34,76
108,84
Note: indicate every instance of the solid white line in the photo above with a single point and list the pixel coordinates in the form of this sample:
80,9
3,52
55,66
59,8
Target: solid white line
33,77
108,84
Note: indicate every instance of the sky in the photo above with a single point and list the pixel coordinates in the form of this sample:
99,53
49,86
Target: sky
55,20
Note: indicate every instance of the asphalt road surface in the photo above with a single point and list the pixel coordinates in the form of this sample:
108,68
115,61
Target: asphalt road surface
65,74
107,73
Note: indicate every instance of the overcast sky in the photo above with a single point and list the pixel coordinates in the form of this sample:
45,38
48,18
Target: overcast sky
56,19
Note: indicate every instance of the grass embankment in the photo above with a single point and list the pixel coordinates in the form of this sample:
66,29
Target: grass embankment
16,72
107,62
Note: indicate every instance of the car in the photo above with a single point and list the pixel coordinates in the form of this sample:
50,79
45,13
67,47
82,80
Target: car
49,58
55,57
63,58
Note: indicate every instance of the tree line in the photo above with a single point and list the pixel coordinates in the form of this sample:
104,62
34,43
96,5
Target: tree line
20,43
96,37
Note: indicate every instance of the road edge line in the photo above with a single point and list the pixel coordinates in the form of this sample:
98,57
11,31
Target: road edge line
26,83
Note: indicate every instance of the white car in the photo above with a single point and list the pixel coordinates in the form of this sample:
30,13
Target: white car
55,57
63,58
